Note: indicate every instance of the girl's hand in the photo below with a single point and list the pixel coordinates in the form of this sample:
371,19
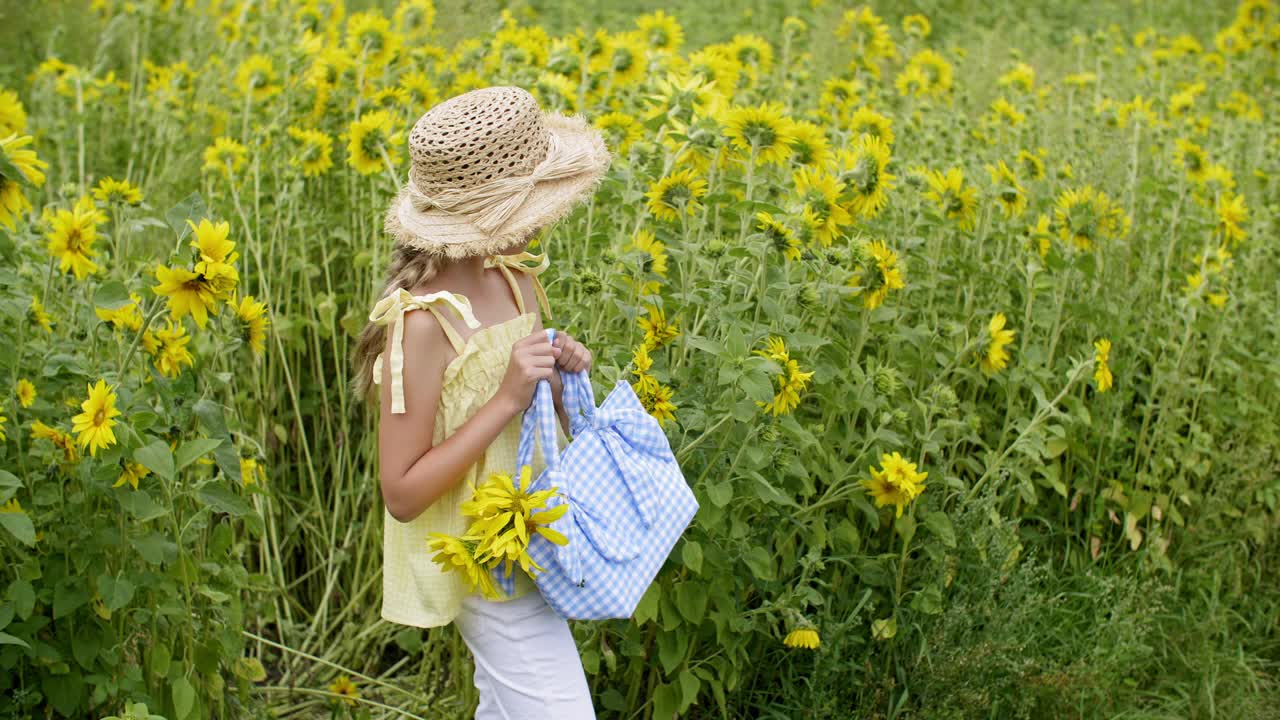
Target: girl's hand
574,356
532,359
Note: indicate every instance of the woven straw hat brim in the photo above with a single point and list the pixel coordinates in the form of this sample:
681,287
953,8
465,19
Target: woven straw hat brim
549,200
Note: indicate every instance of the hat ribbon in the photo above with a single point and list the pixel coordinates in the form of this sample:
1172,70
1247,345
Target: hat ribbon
489,205
520,261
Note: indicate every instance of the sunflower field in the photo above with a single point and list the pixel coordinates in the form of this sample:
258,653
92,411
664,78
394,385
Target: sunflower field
961,319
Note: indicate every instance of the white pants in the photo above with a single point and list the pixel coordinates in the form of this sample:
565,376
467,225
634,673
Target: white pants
527,663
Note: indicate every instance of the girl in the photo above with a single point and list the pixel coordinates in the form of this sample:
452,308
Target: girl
489,171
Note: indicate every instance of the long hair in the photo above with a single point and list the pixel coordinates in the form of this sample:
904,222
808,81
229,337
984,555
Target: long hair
409,268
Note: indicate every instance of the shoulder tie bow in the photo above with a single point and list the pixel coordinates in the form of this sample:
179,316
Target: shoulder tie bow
391,310
521,261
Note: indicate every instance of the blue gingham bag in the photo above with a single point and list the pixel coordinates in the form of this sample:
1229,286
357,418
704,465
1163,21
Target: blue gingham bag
628,500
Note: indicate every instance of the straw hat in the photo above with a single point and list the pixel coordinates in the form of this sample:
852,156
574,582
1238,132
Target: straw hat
488,167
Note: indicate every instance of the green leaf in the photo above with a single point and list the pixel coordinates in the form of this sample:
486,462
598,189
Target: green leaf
756,384
9,480
184,697
111,295
689,685
760,563
155,547
159,660
884,629
139,504
250,668
647,608
115,592
928,601
720,493
68,596
210,414
693,556
192,208
192,450
19,525
691,599
224,499
7,639
671,650
23,596
940,525
666,700
156,457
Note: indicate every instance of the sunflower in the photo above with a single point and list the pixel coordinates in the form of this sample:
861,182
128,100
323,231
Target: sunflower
1085,216
252,472
656,399
863,170
253,322
370,39
679,96
953,198
661,31
1008,191
869,36
458,555
256,78
1003,112
1192,159
620,129
26,392
71,236
1032,164
1101,368
763,130
657,330
125,316
791,381
877,273
753,52
622,56
866,121
188,293
132,473
806,638
917,26
13,117
345,689
778,236
226,156
1022,76
995,357
59,438
314,153
1232,215
370,137
926,74
12,200
676,194
415,19
117,192
169,348
39,316
820,192
1040,235
505,521
896,483
95,422
809,144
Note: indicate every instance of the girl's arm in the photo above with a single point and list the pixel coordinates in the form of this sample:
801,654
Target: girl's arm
414,474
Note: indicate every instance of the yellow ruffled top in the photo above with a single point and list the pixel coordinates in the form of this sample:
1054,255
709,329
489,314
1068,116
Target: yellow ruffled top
415,590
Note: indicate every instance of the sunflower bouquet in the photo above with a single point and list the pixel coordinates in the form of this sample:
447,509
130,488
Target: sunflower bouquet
504,518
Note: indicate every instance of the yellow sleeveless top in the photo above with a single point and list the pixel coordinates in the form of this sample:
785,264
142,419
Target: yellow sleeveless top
415,590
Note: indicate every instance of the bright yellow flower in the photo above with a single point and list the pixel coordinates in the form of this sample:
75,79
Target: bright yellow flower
71,236
763,128
12,200
170,348
995,357
1101,369
661,31
657,330
126,316
225,156
896,483
1086,216
804,637
1232,215
254,321
132,473
59,438
954,199
1007,189
315,151
877,273
656,399
39,315
863,170
645,241
675,194
1191,157
188,293
13,117
344,688
252,472
370,38
369,138
26,392
778,236
94,424
820,192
